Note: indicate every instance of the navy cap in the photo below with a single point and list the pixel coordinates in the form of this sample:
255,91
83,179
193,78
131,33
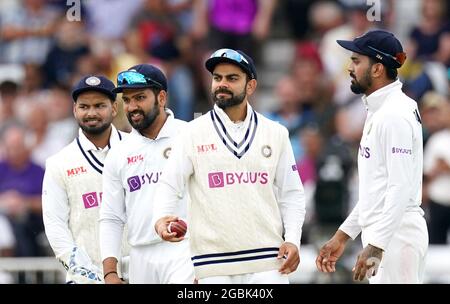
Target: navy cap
141,76
94,83
379,45
236,57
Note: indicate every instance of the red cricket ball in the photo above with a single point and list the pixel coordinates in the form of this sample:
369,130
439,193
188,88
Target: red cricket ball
180,227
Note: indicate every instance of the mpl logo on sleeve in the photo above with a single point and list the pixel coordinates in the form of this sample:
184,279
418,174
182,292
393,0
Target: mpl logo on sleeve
76,171
134,159
91,199
206,148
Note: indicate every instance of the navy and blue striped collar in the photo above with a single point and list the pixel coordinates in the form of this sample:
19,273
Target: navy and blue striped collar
86,147
221,121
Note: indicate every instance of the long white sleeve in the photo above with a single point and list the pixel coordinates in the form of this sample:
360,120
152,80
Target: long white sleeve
351,226
112,211
55,212
173,181
291,196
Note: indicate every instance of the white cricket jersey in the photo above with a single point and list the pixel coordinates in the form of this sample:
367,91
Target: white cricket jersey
132,171
389,164
246,195
72,195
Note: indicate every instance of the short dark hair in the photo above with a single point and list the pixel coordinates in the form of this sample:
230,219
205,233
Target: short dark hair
391,73
9,87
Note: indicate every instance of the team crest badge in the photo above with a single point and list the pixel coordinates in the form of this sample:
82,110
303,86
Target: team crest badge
266,151
93,81
166,152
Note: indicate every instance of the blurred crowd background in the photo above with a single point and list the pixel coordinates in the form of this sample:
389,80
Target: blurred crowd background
303,83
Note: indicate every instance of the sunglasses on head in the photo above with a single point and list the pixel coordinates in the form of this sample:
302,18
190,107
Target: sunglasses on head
399,57
135,78
231,54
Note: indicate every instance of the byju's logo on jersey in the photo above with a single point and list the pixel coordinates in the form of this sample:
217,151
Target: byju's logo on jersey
91,199
216,180
221,179
136,182
396,150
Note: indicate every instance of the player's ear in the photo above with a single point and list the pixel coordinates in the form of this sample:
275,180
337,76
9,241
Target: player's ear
251,86
378,69
162,98
114,108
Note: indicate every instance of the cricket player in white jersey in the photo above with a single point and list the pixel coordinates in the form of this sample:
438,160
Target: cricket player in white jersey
247,201
130,177
72,187
388,212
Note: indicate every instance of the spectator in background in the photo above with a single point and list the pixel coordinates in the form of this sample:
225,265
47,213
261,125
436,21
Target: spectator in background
7,239
297,15
436,167
324,16
291,113
26,32
8,94
236,24
314,89
20,191
179,79
110,19
431,106
69,46
425,37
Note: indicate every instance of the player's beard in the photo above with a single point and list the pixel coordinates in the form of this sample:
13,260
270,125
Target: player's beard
95,130
224,102
148,118
361,86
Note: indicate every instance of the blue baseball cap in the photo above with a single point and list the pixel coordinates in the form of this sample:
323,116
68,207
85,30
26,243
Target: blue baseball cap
94,83
236,57
380,45
141,76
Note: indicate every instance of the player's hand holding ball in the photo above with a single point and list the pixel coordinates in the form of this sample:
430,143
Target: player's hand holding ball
171,228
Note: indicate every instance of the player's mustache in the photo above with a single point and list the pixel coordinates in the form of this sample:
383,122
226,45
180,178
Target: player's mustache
136,112
218,91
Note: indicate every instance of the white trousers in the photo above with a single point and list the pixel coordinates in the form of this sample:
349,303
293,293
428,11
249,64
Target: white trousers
266,277
403,261
161,263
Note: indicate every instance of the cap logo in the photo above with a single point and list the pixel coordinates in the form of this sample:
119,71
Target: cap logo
93,81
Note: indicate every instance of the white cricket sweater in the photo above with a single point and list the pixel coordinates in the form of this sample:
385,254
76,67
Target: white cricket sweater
72,195
246,195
